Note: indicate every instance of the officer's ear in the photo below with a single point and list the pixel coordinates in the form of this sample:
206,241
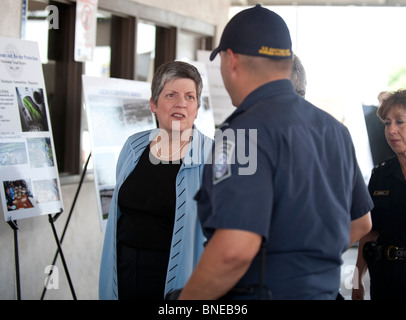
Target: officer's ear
233,59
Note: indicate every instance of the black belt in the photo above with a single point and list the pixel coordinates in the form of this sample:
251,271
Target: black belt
373,251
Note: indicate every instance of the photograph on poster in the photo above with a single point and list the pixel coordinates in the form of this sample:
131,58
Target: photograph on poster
12,153
31,105
18,194
40,152
119,115
104,170
106,194
106,179
46,191
205,103
137,112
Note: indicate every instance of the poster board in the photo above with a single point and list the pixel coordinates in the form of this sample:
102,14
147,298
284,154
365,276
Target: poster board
29,176
205,119
115,109
222,105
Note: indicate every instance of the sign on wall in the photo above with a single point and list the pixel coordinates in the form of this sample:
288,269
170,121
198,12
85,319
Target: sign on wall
85,29
29,180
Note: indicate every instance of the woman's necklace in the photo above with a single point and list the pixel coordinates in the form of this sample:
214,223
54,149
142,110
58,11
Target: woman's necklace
158,151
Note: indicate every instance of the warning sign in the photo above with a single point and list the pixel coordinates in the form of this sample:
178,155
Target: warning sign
85,29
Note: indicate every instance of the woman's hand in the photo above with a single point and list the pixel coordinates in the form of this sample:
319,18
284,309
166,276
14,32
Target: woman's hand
358,293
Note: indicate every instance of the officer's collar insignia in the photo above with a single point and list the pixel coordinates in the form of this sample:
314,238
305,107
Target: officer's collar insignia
382,164
381,192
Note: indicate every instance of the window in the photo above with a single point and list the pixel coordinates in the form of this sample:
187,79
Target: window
99,67
37,29
188,44
146,42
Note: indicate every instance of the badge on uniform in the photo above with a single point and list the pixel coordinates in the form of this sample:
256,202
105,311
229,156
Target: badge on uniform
381,192
223,154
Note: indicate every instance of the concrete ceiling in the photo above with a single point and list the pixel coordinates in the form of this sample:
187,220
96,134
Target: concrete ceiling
380,3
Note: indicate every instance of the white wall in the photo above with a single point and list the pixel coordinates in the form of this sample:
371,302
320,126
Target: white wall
212,11
10,23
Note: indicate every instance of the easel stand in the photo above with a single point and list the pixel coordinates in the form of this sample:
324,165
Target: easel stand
66,226
58,243
51,219
14,226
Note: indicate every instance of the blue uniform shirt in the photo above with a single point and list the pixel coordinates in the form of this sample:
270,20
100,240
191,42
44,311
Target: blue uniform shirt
287,171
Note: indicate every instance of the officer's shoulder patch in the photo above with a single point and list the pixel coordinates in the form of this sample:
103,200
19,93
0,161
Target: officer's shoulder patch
223,156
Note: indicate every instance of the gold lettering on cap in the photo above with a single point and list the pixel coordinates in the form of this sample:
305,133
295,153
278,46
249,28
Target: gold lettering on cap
275,52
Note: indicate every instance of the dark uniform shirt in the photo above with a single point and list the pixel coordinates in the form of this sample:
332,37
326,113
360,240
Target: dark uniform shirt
387,187
287,171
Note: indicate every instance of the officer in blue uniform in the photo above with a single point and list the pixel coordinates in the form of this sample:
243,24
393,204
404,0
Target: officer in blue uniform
284,187
384,248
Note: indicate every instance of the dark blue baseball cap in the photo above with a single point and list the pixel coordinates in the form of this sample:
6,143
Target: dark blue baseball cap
256,31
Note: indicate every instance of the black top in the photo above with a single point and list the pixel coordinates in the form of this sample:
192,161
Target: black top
147,201
387,187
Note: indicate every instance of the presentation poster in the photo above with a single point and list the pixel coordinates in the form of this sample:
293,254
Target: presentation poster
115,109
222,105
29,177
205,120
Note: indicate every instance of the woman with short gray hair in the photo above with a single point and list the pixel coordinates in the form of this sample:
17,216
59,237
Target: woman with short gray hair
153,237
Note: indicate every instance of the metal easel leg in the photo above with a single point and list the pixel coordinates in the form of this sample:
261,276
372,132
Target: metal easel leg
51,221
14,226
69,217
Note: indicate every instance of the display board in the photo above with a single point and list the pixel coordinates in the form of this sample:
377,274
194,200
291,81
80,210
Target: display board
205,119
222,105
115,109
28,170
